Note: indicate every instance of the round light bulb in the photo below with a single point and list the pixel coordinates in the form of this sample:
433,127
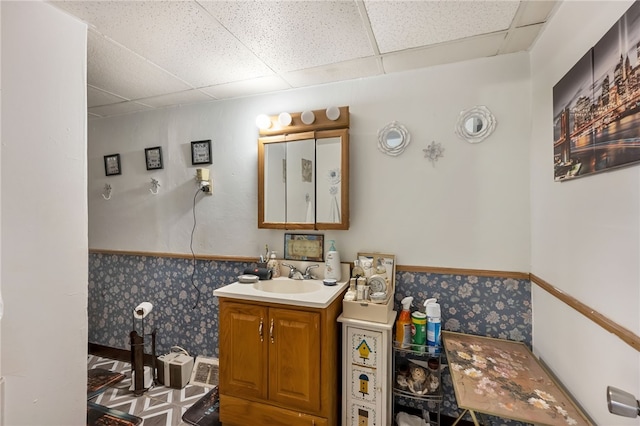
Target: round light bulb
333,113
284,119
263,122
307,117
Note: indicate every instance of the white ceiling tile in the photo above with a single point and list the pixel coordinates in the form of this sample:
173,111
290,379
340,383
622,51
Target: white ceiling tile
97,97
118,109
476,47
178,98
349,70
179,36
400,25
534,12
294,35
520,39
247,87
119,71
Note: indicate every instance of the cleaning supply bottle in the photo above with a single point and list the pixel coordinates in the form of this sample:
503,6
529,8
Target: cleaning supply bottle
433,326
274,265
332,263
419,330
403,324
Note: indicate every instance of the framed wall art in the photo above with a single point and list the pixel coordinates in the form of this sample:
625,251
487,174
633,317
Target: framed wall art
112,165
596,111
201,152
153,158
304,247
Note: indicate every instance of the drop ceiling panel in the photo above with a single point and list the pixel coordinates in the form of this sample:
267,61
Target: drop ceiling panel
178,98
359,68
293,35
534,12
520,39
178,36
97,97
120,71
247,87
400,25
476,47
118,109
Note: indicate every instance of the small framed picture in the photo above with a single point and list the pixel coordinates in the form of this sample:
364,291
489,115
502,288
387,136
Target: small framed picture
304,247
153,157
201,152
112,165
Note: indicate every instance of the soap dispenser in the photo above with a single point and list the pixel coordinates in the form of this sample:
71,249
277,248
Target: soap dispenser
332,263
274,265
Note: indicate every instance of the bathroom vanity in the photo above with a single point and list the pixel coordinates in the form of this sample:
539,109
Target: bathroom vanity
279,352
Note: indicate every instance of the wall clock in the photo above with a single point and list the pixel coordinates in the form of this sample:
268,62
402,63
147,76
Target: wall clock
201,152
153,157
112,165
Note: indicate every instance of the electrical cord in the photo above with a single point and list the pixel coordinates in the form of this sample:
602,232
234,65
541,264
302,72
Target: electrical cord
193,272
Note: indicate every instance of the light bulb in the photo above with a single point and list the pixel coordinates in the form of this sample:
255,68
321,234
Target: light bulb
263,122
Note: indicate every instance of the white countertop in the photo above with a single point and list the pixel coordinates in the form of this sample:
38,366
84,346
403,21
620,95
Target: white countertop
320,298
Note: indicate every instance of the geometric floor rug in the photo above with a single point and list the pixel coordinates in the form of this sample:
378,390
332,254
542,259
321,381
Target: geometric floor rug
159,406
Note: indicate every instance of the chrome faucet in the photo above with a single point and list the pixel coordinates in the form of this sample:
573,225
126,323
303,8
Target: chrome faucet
307,272
294,274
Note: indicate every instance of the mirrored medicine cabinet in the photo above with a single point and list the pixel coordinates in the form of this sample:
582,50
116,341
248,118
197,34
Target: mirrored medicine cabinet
303,172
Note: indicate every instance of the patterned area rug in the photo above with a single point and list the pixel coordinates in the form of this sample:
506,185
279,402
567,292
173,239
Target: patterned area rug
205,411
159,406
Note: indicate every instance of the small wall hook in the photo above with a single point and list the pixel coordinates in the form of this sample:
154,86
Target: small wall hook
155,185
106,193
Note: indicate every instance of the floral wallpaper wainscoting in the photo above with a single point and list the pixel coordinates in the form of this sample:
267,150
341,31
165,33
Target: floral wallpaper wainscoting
185,312
480,305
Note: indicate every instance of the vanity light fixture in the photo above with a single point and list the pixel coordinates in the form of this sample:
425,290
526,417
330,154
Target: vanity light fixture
263,122
284,119
333,113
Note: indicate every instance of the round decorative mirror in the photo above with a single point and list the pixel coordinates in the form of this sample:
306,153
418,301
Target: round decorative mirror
393,139
475,124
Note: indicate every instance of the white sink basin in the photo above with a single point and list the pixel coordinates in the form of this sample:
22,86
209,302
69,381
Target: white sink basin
284,290
288,286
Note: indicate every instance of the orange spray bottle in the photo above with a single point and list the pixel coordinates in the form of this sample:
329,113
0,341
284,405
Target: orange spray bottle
403,324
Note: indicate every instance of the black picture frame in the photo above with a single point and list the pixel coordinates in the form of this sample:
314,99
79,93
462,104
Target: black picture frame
112,165
153,158
309,247
201,152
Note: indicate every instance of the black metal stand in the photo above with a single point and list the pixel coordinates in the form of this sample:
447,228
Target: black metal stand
137,358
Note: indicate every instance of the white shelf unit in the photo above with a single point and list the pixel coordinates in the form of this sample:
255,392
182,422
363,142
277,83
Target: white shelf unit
367,372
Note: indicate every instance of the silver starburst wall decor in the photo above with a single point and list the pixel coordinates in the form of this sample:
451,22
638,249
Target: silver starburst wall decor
433,152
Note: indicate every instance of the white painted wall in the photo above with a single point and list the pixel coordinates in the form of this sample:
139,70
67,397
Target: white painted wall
470,210
585,233
44,215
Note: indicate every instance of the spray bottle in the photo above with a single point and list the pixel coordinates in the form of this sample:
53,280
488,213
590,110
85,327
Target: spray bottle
433,326
403,324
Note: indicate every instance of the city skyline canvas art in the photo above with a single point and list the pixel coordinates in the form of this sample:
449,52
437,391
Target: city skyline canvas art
596,105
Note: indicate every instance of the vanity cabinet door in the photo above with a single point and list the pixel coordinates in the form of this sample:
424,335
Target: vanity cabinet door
294,358
243,350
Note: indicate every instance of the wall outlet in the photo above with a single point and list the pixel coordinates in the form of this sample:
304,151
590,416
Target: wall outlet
207,186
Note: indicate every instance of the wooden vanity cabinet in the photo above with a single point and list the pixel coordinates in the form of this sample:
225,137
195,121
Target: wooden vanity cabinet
279,364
